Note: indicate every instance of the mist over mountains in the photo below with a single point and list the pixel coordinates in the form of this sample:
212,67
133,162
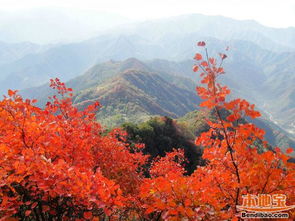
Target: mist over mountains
260,65
51,25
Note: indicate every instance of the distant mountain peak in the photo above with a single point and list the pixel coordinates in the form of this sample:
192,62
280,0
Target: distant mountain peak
133,63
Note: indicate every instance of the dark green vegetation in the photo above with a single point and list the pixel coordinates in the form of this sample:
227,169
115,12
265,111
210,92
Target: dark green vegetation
161,135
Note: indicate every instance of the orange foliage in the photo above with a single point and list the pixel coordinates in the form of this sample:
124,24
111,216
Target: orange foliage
55,164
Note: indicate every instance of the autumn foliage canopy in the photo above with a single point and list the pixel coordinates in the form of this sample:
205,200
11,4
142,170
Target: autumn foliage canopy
57,163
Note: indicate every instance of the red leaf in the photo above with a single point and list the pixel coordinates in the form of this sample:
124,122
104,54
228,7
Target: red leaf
11,93
34,205
289,150
212,61
220,70
201,43
52,212
198,57
28,212
195,68
204,63
223,56
231,118
45,208
87,215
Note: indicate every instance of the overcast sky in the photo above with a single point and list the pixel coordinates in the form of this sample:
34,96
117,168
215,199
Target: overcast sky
275,13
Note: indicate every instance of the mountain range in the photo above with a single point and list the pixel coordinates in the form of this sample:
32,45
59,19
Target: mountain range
129,90
135,91
260,66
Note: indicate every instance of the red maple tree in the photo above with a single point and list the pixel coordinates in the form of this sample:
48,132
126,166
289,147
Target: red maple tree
55,163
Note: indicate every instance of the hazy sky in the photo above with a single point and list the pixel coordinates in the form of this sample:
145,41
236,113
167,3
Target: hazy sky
276,13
